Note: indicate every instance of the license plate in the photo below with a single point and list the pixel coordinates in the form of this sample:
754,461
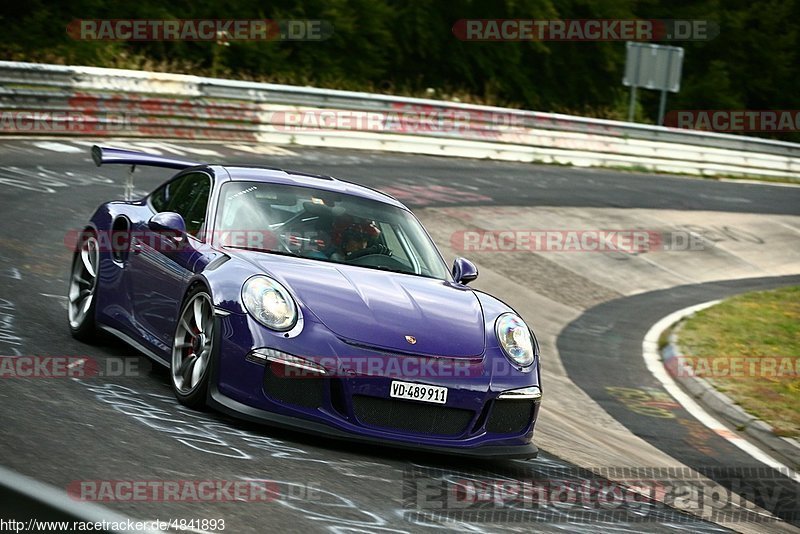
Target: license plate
418,392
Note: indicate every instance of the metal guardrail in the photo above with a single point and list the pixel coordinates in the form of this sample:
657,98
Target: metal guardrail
124,103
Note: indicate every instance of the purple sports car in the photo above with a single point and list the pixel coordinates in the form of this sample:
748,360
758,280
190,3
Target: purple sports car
306,302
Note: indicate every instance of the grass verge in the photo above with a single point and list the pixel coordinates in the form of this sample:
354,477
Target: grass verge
748,347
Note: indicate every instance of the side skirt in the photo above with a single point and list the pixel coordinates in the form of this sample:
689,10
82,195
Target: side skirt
133,343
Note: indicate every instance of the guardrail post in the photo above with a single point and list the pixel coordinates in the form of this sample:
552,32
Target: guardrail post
129,184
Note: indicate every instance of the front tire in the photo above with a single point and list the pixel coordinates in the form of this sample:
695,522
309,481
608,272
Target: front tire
82,296
192,349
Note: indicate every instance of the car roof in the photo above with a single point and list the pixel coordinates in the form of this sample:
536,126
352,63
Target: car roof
254,173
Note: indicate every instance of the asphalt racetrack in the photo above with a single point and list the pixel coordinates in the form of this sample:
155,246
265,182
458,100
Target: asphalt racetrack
590,314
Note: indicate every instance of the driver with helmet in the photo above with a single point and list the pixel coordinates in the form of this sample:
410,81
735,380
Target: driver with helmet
356,239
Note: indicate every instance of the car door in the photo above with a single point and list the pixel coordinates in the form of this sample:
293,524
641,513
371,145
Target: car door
160,265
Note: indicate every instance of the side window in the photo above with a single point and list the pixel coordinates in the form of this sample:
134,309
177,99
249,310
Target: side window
187,196
159,197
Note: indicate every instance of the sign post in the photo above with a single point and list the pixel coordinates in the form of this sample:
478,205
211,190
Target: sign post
655,67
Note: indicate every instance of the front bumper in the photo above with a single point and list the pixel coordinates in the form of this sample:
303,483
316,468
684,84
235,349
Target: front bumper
231,407
474,422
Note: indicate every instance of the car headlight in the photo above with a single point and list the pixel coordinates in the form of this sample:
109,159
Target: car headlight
515,338
269,303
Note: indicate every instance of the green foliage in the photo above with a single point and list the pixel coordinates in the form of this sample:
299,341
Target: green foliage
407,47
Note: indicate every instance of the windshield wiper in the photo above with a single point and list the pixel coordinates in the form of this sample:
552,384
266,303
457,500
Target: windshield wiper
389,269
265,250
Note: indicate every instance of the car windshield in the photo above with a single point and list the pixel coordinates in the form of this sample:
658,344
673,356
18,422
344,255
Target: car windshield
326,226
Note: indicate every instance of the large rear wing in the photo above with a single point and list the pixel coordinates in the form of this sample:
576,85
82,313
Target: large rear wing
102,155
117,156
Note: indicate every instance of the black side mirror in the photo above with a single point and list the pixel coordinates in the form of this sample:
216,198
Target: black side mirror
464,271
